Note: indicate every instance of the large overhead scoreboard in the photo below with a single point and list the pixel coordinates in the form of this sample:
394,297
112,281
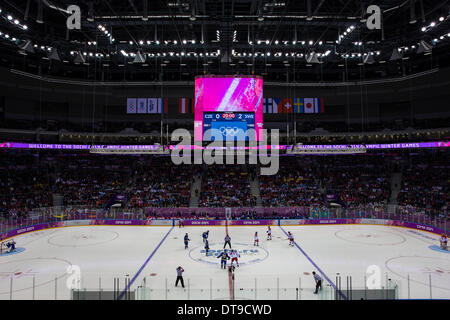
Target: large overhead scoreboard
230,104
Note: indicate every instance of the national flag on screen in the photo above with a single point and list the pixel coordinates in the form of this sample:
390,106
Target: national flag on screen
299,105
142,106
268,105
131,105
184,105
276,105
310,105
287,106
320,105
164,102
157,105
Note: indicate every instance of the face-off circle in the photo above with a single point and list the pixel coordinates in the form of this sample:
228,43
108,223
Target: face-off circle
420,268
249,254
83,238
45,271
370,237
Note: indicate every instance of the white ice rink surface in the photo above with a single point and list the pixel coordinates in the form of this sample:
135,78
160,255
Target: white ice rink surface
105,252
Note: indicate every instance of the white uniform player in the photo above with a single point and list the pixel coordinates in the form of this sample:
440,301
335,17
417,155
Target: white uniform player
291,239
443,241
256,242
269,233
234,255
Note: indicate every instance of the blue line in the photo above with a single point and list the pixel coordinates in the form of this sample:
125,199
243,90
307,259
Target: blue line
317,267
145,263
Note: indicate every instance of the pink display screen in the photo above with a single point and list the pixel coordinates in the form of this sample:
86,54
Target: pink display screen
222,94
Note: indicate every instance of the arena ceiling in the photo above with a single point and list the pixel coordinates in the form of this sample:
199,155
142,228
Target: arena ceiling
283,40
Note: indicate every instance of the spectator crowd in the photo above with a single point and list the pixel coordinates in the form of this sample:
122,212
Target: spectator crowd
37,179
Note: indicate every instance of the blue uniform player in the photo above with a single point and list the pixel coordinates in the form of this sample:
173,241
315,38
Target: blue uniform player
186,241
11,246
206,247
205,235
223,262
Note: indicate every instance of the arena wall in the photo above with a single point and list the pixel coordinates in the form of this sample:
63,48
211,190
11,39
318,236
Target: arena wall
173,222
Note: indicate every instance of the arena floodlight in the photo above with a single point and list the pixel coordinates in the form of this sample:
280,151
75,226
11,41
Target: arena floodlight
140,58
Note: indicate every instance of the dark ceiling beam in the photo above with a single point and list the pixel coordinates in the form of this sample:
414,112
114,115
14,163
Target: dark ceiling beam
145,10
27,10
204,6
236,21
133,6
253,6
318,7
13,5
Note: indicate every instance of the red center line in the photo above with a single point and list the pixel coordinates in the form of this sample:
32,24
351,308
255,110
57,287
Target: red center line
230,275
231,285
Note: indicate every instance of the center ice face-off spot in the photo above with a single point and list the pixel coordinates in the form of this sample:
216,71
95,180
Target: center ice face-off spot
249,254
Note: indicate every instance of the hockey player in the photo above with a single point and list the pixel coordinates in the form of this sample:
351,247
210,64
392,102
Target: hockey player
11,245
443,241
234,257
206,247
181,223
223,262
186,241
256,240
269,233
227,241
205,235
291,239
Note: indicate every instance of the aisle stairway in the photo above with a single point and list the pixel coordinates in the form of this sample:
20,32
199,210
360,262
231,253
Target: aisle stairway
396,184
196,185
255,189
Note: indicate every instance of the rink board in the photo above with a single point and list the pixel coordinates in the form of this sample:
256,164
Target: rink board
200,223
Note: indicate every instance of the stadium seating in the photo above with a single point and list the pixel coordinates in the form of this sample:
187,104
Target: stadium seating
33,179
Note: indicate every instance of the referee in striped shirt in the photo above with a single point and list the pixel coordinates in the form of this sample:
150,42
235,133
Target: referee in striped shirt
318,280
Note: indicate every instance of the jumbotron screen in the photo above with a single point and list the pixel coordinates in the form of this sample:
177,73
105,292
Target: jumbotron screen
229,104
